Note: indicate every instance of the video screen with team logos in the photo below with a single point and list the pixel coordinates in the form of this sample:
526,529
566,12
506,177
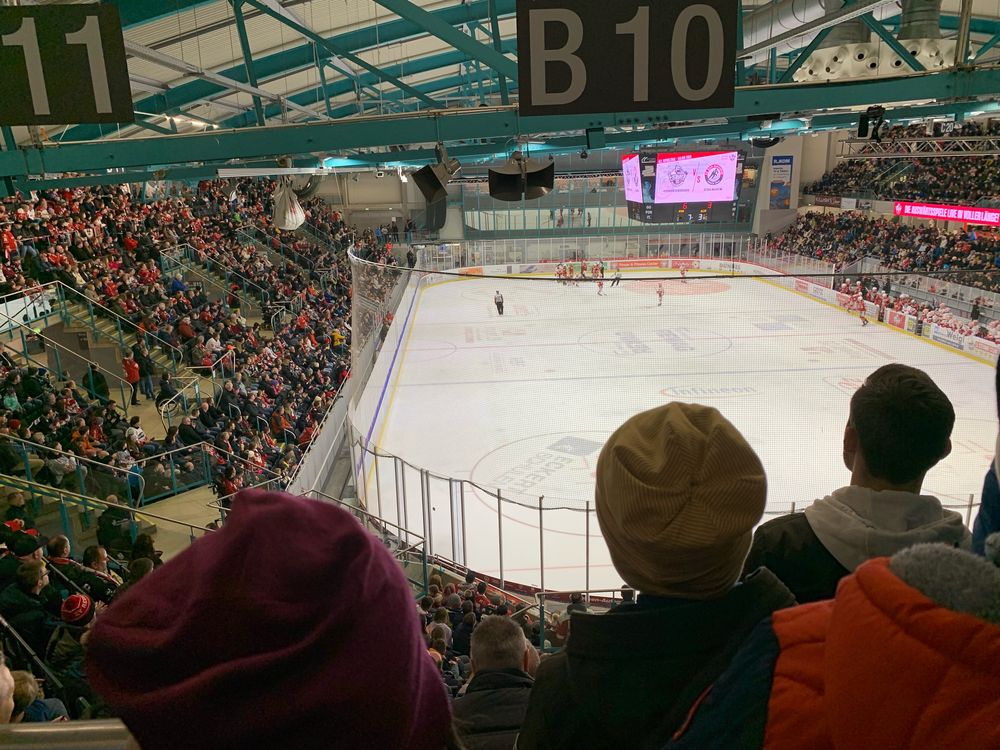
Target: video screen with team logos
682,187
630,173
696,177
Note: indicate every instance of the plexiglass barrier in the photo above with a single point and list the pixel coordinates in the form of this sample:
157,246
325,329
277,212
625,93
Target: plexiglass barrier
480,431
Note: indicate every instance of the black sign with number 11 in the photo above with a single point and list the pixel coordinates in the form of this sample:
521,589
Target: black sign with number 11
63,65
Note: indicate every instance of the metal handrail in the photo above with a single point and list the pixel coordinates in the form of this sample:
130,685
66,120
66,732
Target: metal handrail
103,467
79,499
117,316
206,278
36,660
62,347
223,511
362,511
299,257
247,281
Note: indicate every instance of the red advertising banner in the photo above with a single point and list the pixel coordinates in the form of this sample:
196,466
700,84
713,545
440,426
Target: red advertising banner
965,214
895,319
685,264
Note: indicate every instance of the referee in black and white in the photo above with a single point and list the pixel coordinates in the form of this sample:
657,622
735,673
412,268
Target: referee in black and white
498,301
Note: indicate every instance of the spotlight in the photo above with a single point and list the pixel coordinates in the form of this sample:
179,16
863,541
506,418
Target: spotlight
379,174
584,154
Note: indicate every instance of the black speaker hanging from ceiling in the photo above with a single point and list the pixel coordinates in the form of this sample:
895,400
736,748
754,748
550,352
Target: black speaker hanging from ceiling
521,177
433,179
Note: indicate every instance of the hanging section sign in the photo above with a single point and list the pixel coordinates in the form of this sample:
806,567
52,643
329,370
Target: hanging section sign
63,65
583,56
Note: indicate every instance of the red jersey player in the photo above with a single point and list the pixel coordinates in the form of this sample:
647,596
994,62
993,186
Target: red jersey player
600,288
684,274
659,293
859,305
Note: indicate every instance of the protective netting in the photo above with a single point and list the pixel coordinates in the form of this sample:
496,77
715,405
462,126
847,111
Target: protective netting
480,431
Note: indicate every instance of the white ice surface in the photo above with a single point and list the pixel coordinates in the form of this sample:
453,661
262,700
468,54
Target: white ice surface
493,400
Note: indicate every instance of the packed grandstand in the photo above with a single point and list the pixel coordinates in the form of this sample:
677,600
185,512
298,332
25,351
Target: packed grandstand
180,347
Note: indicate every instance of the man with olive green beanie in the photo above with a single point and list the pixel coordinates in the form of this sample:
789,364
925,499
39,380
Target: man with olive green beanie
679,492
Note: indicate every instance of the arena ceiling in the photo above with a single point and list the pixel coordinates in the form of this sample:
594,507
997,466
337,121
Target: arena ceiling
359,82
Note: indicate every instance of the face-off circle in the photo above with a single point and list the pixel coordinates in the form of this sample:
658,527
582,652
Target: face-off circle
558,465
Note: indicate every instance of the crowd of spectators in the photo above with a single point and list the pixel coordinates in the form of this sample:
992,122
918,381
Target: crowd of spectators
796,633
965,179
970,259
276,377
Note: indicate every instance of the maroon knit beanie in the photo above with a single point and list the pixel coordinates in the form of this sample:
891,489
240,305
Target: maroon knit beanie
290,627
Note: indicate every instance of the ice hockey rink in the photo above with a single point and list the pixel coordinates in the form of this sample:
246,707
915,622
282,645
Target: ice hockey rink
523,403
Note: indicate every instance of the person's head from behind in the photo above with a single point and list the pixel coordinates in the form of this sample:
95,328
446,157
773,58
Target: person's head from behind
679,491
899,427
499,643
287,611
441,615
58,546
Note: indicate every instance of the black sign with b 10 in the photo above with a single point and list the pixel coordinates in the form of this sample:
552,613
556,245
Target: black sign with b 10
63,64
582,56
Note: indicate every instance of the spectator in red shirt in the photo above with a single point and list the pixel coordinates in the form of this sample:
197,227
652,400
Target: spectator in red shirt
131,369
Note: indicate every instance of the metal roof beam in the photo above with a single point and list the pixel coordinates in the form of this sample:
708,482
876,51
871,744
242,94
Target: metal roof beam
491,122
298,58
312,96
883,33
154,56
334,50
448,33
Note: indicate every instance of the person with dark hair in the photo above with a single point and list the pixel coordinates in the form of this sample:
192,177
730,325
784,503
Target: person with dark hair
143,547
492,710
576,603
461,638
899,427
28,610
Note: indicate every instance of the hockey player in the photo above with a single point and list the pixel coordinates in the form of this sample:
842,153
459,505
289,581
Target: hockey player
600,287
617,279
659,294
684,274
859,305
498,301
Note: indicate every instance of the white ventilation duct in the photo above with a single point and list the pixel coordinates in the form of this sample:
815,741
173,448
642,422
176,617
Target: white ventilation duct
848,32
921,20
782,16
